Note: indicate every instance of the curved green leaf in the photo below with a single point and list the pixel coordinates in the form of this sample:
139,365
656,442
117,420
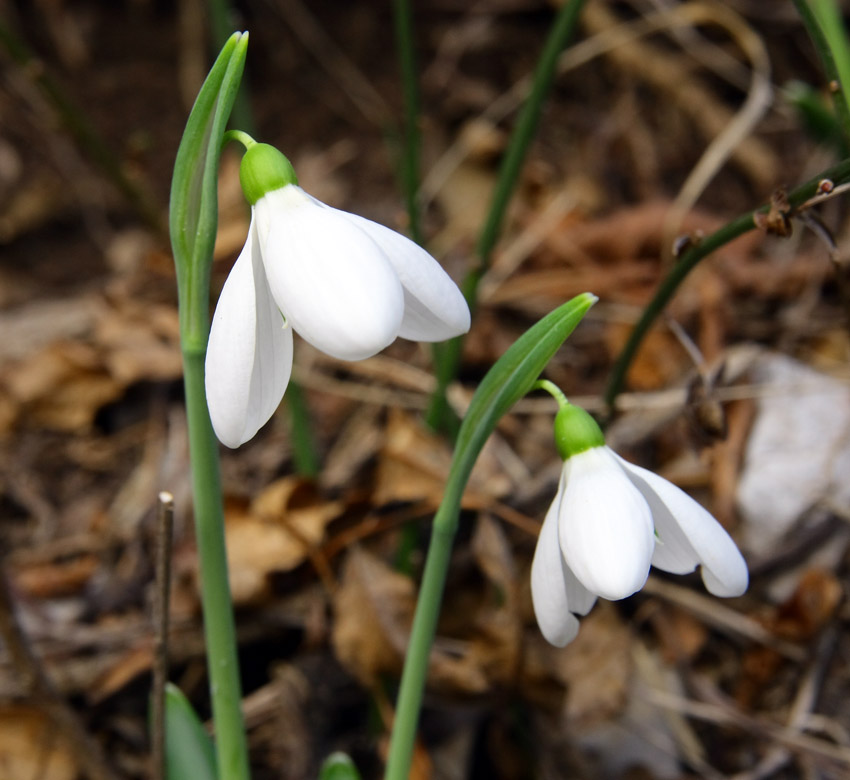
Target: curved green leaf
506,382
189,750
338,766
193,208
512,376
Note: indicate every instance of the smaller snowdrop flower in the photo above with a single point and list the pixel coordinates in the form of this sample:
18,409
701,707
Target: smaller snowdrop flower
347,285
609,521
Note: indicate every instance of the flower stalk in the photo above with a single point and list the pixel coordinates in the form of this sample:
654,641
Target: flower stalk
193,218
219,624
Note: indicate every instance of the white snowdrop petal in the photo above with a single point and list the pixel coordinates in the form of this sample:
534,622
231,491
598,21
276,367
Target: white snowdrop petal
689,535
338,289
606,531
434,307
673,552
548,590
249,353
579,598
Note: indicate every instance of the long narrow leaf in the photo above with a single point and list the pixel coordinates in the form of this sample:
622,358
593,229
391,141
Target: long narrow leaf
193,209
506,382
189,751
509,380
338,766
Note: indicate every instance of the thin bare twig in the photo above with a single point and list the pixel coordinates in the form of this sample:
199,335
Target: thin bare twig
164,533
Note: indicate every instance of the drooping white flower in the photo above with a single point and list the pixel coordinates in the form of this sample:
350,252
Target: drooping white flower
346,284
609,521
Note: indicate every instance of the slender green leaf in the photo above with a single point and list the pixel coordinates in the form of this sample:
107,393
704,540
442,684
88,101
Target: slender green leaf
830,44
193,210
513,375
829,14
189,751
338,766
510,379
818,118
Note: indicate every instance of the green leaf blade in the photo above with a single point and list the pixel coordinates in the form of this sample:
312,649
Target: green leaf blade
189,750
512,376
338,766
193,207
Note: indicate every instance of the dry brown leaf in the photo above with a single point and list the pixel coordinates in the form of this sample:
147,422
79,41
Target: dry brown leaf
55,578
358,441
682,636
126,668
31,327
597,667
140,342
30,747
414,465
458,667
660,361
464,199
414,462
62,386
277,533
810,607
498,639
590,677
374,607
373,610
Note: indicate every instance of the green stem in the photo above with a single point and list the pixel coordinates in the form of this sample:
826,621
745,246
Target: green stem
553,390
422,634
239,137
823,23
219,628
449,356
411,145
303,446
838,174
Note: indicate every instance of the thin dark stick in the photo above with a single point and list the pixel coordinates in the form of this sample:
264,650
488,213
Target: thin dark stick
164,533
87,752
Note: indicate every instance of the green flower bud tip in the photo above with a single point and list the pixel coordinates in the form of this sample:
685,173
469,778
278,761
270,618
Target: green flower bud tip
264,169
338,766
576,432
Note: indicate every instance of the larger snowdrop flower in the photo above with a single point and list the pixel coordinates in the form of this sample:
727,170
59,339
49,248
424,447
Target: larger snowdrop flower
609,521
347,285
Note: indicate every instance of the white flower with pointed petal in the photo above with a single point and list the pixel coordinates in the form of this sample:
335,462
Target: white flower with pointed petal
609,521
347,285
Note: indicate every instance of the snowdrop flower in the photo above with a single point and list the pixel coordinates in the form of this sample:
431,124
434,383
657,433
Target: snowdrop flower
609,521
347,285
